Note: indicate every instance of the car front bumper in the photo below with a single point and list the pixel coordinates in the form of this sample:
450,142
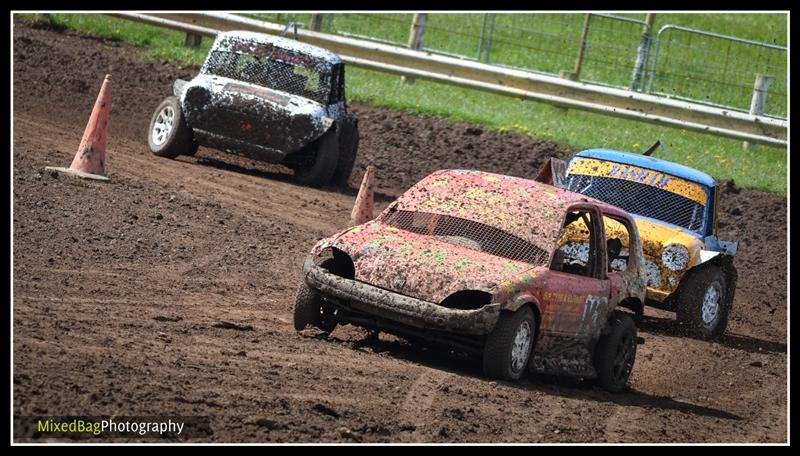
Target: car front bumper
362,298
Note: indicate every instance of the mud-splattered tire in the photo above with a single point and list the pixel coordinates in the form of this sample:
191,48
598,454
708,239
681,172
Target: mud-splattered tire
307,308
615,353
309,311
510,344
168,135
348,149
326,155
704,302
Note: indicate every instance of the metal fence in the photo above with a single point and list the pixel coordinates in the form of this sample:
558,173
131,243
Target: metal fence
602,49
544,43
716,69
385,28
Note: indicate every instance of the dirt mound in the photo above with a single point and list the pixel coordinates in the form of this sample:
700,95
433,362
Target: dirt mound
405,148
169,290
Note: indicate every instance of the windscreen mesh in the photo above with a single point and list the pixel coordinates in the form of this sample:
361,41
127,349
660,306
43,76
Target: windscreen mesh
273,74
469,234
640,199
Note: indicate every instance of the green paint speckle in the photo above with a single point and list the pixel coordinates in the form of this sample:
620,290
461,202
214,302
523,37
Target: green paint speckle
406,247
462,263
439,254
528,279
380,239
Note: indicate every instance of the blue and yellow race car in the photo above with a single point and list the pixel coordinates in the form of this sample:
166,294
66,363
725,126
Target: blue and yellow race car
689,270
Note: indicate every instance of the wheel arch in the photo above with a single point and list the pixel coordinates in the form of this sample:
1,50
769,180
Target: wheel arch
337,261
723,262
688,298
633,304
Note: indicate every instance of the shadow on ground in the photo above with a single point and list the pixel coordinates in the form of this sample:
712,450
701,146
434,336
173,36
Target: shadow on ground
464,365
279,176
668,327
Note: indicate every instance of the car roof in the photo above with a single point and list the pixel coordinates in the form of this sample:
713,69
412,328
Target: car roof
525,208
283,43
656,164
538,190
541,194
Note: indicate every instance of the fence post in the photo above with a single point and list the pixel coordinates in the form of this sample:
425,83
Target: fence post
489,38
416,38
193,40
417,33
482,37
575,74
315,23
642,53
759,100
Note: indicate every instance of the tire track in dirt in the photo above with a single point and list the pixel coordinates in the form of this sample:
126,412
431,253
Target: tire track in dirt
620,423
419,399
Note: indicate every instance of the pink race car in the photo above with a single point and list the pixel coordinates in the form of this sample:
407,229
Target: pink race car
480,262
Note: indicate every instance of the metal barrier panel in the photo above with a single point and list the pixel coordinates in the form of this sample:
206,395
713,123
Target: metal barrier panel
611,49
716,69
460,35
281,18
391,28
545,42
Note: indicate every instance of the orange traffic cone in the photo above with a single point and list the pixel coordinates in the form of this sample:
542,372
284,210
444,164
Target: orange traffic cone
362,210
90,161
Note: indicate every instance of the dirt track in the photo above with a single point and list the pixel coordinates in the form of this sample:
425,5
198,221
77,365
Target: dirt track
101,270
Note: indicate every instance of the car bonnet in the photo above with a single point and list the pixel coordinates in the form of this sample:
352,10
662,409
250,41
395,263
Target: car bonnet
421,266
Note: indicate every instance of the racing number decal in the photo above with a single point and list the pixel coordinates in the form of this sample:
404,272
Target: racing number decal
643,176
631,173
593,314
570,313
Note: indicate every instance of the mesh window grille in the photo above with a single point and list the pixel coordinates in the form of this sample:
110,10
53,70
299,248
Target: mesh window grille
641,199
469,234
273,74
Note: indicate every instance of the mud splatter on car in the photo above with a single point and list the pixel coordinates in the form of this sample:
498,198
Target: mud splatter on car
266,98
689,269
472,260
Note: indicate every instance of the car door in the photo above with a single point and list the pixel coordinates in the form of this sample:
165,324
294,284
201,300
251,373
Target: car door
618,230
575,296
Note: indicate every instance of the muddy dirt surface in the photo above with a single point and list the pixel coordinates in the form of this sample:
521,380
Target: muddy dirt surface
120,289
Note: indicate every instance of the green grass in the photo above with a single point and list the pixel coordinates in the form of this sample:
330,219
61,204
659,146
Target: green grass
764,167
690,66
